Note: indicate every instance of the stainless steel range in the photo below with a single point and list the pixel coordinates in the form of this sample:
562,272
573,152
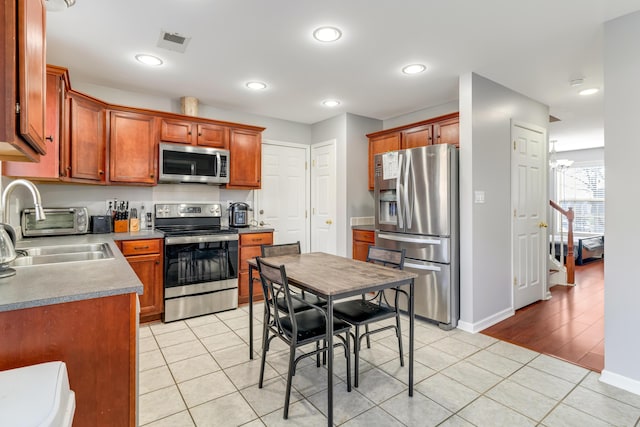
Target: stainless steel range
200,258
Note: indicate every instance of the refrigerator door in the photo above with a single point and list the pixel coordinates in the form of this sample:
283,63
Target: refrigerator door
430,190
432,248
435,298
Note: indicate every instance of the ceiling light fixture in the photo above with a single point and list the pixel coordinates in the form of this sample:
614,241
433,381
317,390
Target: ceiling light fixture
149,59
413,69
327,34
589,91
58,5
331,103
256,85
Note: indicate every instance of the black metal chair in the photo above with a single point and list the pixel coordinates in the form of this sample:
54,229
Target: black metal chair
297,329
370,309
291,249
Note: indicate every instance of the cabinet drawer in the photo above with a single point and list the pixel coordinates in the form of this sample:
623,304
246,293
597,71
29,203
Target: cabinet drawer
246,253
364,236
141,247
256,239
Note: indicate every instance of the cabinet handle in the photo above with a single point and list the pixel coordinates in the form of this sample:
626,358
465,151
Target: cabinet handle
157,262
199,133
137,248
49,138
151,175
100,172
189,133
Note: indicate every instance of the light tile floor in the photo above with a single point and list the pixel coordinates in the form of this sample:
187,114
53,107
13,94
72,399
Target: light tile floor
197,373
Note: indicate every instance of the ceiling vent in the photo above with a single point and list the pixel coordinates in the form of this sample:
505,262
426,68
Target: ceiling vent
173,41
553,119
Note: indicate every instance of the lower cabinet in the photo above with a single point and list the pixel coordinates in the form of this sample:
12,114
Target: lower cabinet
96,338
361,241
250,248
146,259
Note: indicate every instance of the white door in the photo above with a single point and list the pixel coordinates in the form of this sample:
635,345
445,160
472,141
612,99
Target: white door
283,200
323,197
529,205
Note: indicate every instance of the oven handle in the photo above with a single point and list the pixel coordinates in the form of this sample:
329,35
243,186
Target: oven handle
205,238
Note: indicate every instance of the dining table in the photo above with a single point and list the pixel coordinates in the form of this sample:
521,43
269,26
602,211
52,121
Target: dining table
333,278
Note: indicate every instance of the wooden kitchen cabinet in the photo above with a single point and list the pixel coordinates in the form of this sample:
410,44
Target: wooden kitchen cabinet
85,158
96,338
48,169
438,130
146,259
249,247
361,241
194,133
245,159
133,148
22,80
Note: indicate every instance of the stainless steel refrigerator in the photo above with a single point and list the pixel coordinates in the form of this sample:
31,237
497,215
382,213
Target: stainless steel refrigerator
416,208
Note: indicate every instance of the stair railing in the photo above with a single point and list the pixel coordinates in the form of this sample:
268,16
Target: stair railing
570,260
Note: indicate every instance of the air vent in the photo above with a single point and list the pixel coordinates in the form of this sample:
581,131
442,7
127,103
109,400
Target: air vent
553,119
173,41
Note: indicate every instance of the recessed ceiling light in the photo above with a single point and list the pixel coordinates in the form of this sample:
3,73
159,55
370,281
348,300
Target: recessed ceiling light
327,34
330,102
414,69
149,59
256,85
590,91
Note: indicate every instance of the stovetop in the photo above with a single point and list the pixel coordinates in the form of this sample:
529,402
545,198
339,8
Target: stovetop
194,230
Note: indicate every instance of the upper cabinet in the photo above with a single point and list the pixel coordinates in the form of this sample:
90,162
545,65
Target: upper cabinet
86,160
245,158
194,133
439,130
22,80
133,148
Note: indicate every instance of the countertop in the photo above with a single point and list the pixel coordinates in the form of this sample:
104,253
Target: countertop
255,230
364,227
40,285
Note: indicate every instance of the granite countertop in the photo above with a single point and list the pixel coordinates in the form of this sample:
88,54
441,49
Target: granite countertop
370,227
246,230
41,285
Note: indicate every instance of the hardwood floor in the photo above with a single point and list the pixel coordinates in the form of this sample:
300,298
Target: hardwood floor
569,326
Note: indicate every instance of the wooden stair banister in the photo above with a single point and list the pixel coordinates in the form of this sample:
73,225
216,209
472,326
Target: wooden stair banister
571,263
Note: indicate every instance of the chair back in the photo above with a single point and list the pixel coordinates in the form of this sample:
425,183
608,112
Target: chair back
388,257
283,249
276,286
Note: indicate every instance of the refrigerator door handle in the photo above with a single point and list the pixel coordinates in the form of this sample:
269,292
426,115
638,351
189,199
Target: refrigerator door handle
407,207
409,239
422,267
400,209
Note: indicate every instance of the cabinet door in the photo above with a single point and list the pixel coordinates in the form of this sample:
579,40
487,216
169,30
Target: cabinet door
417,137
447,131
381,144
87,141
132,148
148,268
213,135
245,159
361,241
31,72
49,166
176,131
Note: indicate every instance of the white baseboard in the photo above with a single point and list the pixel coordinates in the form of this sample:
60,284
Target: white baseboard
486,322
619,381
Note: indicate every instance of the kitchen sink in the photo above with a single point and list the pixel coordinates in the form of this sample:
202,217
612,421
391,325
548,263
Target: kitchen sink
64,253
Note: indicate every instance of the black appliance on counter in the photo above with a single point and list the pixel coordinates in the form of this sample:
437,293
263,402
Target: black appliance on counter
239,214
200,260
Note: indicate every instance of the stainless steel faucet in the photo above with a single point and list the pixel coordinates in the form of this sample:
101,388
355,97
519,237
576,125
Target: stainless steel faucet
4,200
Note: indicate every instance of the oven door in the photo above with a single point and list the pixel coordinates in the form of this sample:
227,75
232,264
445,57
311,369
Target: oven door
201,275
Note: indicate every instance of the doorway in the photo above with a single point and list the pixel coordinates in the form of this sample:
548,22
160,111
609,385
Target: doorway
323,197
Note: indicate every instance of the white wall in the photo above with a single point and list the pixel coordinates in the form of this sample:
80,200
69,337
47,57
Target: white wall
486,111
588,155
622,150
420,115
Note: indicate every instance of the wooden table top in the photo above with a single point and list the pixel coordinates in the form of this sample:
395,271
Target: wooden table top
331,275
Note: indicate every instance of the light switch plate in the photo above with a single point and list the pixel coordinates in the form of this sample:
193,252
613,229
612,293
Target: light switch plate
479,196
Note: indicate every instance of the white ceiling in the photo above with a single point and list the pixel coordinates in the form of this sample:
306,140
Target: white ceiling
533,47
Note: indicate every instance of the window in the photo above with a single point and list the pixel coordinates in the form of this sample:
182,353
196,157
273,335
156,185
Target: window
581,187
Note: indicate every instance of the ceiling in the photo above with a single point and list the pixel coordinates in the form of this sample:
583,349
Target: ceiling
533,47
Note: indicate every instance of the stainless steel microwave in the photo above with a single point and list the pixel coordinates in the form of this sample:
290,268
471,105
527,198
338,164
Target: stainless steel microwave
190,163
58,221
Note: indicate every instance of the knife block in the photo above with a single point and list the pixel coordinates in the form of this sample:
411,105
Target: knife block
134,224
121,226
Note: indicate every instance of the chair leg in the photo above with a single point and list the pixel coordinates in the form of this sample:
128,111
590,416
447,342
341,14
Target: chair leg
265,345
356,351
324,353
347,354
399,333
292,358
366,329
318,354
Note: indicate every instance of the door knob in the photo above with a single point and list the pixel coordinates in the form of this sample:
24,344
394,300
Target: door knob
542,224
328,222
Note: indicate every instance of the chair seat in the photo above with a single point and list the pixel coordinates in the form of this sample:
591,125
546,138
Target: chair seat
299,306
311,325
359,312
